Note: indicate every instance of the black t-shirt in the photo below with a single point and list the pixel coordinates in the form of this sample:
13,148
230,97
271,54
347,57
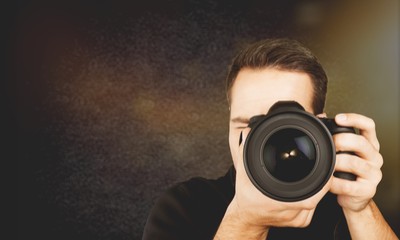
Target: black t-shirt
194,210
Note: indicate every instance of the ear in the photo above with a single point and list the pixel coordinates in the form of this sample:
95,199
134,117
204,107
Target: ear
322,115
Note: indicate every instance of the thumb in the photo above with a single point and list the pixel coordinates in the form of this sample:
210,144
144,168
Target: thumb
322,115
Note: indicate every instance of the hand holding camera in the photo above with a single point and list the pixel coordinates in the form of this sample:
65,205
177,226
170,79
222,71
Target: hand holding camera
355,196
289,157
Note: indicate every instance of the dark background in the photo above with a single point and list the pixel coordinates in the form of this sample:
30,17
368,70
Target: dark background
115,101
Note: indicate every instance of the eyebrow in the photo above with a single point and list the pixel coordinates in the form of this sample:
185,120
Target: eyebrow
240,120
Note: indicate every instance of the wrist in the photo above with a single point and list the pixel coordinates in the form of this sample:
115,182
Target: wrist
368,223
236,224
366,210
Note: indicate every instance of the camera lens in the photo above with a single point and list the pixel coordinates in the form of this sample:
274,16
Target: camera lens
289,155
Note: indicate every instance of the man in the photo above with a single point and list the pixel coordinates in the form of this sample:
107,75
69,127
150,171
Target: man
231,207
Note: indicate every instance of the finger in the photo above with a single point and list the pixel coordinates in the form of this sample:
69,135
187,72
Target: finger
303,219
360,167
348,142
359,188
364,124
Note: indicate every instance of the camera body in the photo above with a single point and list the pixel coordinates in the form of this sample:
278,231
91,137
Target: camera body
289,154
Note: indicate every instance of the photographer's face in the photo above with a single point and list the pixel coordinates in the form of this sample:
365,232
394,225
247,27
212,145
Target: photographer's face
256,90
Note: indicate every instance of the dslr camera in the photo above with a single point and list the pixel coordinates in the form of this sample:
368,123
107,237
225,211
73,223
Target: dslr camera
289,154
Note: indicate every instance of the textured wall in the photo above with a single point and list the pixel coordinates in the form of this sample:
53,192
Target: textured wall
117,101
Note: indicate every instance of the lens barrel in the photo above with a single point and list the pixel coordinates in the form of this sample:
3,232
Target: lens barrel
289,153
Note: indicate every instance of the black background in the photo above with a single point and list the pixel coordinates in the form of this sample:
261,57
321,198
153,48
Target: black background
115,101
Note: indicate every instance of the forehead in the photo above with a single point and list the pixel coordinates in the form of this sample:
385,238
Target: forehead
256,90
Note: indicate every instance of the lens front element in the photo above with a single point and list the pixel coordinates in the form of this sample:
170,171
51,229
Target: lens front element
289,155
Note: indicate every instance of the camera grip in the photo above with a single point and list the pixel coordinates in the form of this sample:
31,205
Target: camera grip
336,129
345,175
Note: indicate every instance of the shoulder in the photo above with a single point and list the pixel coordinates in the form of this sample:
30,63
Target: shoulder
188,208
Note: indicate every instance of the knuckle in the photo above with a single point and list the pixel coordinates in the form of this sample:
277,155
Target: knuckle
378,177
370,123
357,165
363,143
347,188
379,160
377,145
371,193
364,166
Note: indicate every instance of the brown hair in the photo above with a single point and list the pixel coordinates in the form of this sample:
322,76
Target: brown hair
283,54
